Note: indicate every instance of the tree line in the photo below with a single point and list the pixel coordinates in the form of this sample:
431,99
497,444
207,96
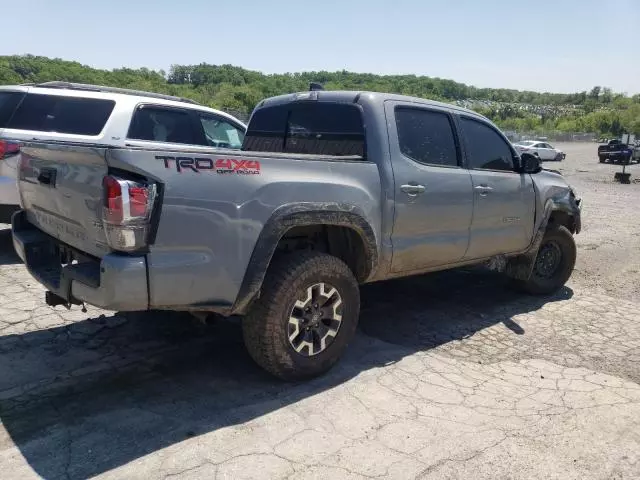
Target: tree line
229,87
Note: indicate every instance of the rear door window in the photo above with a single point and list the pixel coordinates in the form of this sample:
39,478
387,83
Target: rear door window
52,113
318,128
9,101
426,136
167,125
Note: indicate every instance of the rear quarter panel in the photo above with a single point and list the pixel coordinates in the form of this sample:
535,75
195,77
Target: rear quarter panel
211,215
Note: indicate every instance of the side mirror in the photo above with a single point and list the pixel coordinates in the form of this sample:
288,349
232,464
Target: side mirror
530,163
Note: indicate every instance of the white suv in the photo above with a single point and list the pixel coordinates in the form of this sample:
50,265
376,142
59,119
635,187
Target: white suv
98,115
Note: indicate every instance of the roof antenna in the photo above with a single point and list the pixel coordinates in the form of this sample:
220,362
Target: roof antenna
315,86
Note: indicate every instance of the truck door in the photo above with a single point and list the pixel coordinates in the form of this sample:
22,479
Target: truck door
504,200
433,193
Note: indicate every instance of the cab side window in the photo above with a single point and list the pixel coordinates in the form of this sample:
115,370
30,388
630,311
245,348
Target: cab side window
486,149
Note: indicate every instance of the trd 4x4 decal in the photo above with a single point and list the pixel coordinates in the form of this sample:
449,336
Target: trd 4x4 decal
221,165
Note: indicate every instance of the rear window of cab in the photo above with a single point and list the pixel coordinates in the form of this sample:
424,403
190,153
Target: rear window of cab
317,128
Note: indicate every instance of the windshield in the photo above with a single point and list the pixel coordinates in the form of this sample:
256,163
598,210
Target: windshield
527,143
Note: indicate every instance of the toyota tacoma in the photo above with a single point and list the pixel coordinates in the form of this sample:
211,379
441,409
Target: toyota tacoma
330,190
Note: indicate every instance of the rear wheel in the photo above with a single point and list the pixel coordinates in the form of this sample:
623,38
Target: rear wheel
553,264
305,317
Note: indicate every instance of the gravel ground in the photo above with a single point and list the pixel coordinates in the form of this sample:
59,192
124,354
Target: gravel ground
451,376
609,246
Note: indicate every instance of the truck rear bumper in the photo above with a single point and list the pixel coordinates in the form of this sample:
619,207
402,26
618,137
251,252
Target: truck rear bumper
114,282
616,156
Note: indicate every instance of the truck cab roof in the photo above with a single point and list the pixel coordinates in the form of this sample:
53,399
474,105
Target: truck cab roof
360,96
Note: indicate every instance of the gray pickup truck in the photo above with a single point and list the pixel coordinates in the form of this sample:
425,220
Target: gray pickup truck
330,190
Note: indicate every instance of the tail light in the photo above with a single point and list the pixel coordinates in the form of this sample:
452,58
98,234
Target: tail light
8,148
126,212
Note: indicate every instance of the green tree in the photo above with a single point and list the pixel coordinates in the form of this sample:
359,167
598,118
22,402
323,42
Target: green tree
600,110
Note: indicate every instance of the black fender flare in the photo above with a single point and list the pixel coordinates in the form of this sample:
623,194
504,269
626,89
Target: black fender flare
300,214
568,204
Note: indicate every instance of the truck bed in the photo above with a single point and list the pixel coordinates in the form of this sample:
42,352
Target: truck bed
213,204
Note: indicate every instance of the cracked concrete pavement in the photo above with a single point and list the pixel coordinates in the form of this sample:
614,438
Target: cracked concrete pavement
451,376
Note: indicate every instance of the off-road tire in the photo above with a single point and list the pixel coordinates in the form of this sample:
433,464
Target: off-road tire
265,327
540,285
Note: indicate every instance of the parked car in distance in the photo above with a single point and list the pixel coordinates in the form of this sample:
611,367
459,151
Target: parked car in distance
283,232
88,114
541,149
616,151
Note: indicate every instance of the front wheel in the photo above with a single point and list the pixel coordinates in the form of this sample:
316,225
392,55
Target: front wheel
305,317
553,264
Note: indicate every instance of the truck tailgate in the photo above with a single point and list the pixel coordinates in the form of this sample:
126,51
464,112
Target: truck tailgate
61,190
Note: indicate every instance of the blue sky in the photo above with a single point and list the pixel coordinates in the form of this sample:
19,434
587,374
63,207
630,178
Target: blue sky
540,45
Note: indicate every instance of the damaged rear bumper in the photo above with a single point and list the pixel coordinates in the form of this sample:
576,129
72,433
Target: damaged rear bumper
114,282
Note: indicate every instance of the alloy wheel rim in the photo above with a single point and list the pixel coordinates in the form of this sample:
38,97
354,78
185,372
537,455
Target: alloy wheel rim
315,319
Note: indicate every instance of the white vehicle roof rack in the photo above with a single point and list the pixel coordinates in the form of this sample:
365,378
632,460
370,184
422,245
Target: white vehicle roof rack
100,88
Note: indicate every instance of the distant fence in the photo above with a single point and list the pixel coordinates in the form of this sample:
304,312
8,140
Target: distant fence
552,136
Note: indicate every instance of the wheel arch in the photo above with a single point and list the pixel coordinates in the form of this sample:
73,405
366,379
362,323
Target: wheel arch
565,210
560,210
286,219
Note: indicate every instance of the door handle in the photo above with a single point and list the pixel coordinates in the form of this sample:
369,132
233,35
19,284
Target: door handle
412,190
483,190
